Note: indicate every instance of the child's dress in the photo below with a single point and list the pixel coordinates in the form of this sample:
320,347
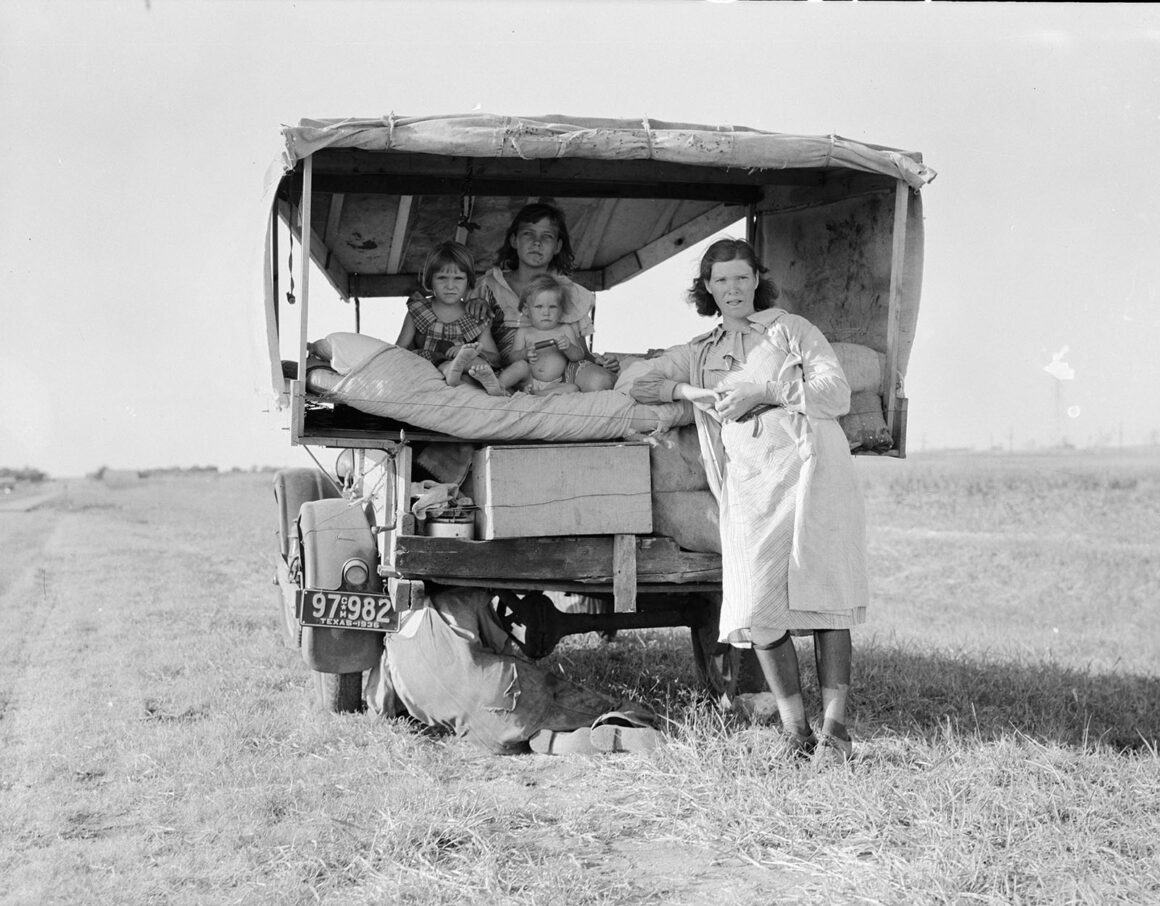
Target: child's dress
435,338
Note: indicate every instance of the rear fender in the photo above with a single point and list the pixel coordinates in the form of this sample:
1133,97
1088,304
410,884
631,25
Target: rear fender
333,532
292,488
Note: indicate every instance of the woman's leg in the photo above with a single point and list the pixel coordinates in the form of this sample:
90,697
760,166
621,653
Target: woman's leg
833,654
779,663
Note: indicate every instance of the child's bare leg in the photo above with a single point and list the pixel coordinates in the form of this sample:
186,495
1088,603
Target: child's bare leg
454,369
515,373
591,378
559,388
481,371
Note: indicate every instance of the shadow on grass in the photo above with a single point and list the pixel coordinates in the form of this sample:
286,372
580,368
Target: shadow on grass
899,691
911,693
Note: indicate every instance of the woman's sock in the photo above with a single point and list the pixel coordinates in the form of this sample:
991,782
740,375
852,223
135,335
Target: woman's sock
833,654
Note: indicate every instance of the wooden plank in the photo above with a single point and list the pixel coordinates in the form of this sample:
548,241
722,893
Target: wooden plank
371,286
333,218
355,162
335,272
584,558
583,588
890,383
589,244
597,187
304,233
624,573
672,243
396,511
664,219
399,236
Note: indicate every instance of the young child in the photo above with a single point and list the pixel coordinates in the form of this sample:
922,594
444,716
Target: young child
439,328
547,344
537,242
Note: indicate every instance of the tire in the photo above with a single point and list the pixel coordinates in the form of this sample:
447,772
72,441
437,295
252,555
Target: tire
723,670
340,693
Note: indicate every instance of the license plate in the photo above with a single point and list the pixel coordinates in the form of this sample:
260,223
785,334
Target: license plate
346,610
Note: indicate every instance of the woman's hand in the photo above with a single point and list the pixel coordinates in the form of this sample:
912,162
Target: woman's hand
479,306
609,363
701,397
735,401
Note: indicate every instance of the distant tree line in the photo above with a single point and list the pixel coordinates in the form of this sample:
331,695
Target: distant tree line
25,474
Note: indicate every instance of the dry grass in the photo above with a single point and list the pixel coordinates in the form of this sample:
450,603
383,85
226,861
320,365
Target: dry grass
160,746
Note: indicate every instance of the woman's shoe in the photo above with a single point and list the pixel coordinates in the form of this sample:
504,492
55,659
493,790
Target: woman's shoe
831,749
795,746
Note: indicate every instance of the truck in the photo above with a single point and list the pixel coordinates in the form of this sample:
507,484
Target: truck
569,532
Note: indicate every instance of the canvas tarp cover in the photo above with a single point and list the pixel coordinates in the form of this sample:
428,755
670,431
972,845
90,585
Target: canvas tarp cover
536,138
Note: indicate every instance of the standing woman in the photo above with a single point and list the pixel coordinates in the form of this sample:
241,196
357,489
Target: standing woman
767,390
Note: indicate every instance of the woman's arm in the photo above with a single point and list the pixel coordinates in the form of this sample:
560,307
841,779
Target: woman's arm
818,388
406,338
810,382
481,304
655,380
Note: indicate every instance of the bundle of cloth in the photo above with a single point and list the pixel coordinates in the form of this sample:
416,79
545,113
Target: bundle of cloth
381,379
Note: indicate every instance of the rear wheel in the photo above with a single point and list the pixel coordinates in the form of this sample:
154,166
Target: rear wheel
340,693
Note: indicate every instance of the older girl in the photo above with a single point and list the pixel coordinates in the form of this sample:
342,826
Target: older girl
537,243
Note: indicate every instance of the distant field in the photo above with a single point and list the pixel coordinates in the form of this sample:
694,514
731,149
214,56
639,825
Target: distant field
161,747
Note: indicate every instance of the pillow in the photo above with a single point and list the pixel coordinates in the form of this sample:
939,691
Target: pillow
345,351
862,365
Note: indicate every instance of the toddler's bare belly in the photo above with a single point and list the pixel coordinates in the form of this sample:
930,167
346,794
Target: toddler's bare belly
549,365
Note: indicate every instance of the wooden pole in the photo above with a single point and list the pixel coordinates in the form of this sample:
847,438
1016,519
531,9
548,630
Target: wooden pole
890,378
304,293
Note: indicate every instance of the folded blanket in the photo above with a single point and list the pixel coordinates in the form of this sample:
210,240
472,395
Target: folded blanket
396,383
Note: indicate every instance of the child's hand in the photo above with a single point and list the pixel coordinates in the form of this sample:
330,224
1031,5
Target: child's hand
532,354
562,343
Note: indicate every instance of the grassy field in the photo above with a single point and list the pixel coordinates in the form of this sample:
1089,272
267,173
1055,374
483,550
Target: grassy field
160,745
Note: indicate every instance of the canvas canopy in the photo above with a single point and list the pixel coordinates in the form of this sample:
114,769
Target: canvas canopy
552,137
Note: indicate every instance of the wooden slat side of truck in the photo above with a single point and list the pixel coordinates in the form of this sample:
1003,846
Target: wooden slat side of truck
838,222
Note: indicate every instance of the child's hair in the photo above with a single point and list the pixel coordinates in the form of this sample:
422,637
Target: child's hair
561,263
719,252
544,283
444,254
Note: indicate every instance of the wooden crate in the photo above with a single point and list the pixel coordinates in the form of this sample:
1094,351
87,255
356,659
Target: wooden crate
562,489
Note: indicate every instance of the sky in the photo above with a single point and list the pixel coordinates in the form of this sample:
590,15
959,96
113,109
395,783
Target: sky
138,136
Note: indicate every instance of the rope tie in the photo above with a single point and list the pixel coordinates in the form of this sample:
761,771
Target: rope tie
648,136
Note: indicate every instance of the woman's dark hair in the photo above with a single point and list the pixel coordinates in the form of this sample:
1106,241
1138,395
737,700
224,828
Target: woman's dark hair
561,263
447,253
719,252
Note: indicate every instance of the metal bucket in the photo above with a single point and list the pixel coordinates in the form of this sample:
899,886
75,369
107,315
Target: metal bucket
450,527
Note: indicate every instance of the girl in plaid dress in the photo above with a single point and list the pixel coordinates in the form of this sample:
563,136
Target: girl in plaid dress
439,328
